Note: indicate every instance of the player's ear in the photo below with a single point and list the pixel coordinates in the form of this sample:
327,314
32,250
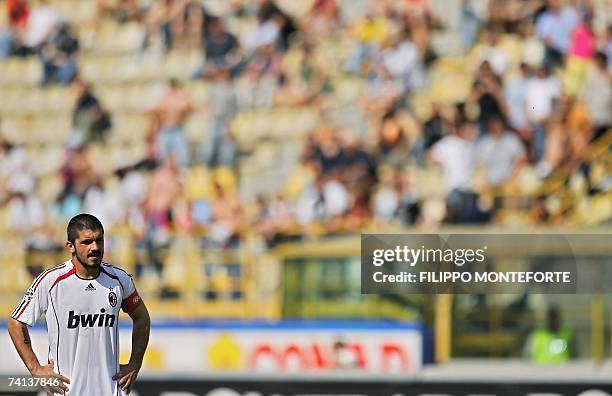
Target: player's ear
70,246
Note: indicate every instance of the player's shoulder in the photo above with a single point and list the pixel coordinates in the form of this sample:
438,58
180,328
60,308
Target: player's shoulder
114,271
51,276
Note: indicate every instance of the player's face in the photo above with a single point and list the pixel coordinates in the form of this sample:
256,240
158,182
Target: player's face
88,247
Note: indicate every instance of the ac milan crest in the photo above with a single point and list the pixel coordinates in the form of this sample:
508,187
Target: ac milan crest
112,299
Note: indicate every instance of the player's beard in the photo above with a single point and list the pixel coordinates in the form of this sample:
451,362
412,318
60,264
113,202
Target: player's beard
88,261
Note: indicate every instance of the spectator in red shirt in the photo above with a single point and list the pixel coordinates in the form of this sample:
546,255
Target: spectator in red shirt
17,15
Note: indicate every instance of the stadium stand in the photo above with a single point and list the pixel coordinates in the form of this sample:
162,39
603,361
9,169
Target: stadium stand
328,118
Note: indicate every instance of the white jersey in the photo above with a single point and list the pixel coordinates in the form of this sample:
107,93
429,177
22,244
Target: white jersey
82,318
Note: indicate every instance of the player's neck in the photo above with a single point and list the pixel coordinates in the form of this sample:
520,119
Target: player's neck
83,271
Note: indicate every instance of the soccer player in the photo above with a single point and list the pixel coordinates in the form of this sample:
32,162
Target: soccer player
81,299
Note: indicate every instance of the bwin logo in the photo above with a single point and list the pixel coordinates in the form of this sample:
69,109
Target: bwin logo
90,320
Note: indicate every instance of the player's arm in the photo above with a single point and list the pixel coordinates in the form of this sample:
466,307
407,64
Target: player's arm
140,339
140,333
20,336
21,339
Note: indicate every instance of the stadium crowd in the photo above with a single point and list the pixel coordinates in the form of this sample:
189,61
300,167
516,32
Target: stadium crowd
532,115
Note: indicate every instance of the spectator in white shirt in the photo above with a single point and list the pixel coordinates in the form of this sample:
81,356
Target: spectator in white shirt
541,94
455,154
403,61
500,152
41,24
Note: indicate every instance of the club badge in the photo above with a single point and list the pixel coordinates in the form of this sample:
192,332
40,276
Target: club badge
112,299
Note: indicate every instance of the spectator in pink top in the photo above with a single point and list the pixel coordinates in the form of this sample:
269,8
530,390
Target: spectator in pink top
583,44
582,49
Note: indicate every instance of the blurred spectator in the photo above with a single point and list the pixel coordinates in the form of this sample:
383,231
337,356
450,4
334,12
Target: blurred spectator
494,55
386,200
265,63
166,18
28,219
164,189
456,155
268,13
78,176
42,22
597,95
18,13
370,32
506,16
59,56
394,197
15,174
134,190
357,165
402,61
383,94
359,213
325,200
473,14
393,145
554,26
515,97
220,49
168,117
322,19
119,10
262,75
581,53
433,130
226,224
542,91
328,152
303,83
189,27
417,22
488,93
25,212
218,148
501,153
557,147
273,218
607,46
90,121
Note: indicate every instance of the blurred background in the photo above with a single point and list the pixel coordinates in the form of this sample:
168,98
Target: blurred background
235,150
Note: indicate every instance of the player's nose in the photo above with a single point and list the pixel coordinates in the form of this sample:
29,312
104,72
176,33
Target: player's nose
95,248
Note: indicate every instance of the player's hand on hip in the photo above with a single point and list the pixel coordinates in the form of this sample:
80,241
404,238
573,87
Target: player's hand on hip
55,383
126,376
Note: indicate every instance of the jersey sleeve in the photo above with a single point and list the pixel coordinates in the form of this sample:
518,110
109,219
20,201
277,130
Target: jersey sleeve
34,302
131,298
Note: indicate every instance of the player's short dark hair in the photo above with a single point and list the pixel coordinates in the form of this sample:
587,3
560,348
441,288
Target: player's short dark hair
80,222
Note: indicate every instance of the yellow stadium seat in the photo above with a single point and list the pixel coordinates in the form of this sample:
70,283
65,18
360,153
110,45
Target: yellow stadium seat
198,183
226,178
